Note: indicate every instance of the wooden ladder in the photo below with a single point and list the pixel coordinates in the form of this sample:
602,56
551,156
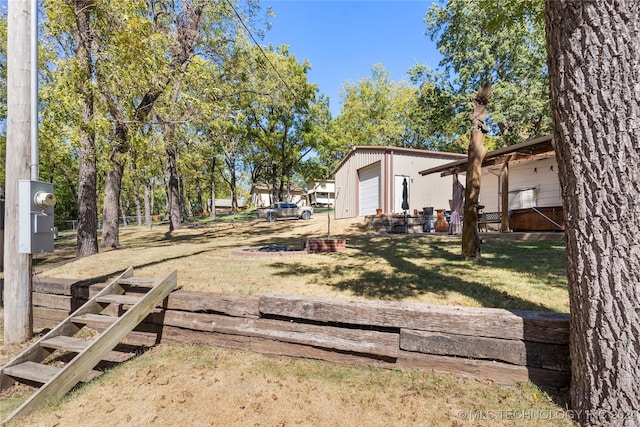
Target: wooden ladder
30,366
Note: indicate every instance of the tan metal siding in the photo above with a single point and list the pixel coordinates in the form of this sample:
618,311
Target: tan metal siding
433,191
426,191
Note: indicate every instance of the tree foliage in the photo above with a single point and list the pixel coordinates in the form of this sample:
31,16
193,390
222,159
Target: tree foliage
477,48
281,118
137,95
139,82
373,110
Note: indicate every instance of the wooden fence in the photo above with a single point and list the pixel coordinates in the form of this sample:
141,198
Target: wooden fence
504,346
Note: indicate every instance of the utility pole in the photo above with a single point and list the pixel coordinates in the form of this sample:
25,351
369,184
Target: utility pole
18,314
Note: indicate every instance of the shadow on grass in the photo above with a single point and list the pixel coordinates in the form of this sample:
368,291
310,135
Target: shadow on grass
413,265
546,261
420,266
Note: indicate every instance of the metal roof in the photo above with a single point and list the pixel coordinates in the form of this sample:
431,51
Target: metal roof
520,151
399,150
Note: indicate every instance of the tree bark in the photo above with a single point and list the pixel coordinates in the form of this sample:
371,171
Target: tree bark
124,209
477,152
594,67
87,236
212,211
173,191
136,199
110,210
147,206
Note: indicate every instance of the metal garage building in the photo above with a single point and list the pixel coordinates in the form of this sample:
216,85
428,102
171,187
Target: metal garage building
369,179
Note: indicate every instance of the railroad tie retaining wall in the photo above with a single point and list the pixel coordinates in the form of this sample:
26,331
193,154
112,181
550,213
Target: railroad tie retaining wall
504,346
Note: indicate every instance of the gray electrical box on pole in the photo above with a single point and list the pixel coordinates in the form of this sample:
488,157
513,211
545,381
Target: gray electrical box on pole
35,217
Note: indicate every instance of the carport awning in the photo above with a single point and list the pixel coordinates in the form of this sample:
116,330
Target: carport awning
523,150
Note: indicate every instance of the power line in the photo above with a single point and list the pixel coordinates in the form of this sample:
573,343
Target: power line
260,47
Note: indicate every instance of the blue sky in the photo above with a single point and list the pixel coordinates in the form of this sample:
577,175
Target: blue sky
343,39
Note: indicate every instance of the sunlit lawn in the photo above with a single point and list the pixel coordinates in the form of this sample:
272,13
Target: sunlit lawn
512,274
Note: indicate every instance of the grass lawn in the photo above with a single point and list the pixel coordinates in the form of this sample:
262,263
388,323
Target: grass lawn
194,385
513,274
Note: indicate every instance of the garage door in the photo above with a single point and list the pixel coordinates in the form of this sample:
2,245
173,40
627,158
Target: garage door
369,189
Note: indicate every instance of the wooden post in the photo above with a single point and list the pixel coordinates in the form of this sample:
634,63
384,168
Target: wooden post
18,315
504,185
477,152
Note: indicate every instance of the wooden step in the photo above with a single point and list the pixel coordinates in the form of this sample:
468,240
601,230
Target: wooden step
61,342
32,371
138,281
39,373
76,345
56,382
94,320
119,299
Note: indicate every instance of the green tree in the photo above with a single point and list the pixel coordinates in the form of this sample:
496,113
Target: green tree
218,93
70,99
281,119
375,111
169,40
120,60
477,47
328,149
437,115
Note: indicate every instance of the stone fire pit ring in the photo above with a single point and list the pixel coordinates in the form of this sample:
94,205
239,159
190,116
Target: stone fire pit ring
308,246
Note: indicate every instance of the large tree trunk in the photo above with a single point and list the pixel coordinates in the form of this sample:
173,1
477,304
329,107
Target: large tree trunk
173,191
477,152
87,236
594,55
112,187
